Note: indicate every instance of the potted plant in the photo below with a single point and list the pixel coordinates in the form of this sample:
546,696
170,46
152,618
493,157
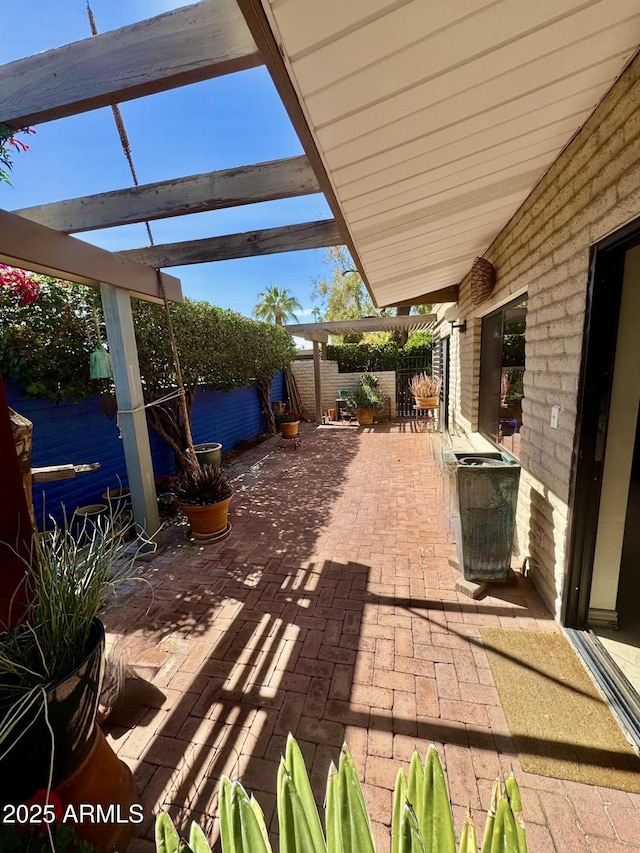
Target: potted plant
289,422
366,401
209,453
426,390
51,665
204,494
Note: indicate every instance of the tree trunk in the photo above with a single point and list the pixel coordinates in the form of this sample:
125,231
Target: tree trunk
168,421
264,390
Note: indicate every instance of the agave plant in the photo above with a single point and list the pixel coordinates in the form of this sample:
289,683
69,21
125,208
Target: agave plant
421,821
423,385
202,486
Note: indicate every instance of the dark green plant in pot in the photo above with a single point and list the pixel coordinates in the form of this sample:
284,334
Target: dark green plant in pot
367,395
202,486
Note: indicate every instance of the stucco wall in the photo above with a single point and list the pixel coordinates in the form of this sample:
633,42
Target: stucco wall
592,189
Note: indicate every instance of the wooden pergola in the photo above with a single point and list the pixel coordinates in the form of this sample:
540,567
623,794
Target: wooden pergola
319,333
421,160
187,45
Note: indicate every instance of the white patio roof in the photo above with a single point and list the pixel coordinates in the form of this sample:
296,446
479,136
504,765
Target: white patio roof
433,121
321,331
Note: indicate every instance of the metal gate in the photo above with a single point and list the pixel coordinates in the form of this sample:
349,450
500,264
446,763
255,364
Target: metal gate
407,367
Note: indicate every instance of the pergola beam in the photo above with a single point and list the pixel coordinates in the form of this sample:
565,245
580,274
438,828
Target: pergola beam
268,181
310,331
187,45
288,238
40,249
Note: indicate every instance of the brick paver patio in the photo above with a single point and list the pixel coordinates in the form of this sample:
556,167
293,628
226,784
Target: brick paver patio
331,612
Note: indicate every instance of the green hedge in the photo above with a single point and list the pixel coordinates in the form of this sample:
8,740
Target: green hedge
357,358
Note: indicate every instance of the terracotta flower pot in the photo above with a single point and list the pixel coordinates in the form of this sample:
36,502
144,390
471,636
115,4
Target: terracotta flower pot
427,402
365,416
290,430
207,520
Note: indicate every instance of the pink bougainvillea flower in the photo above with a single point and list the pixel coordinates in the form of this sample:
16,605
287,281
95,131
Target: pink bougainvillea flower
21,282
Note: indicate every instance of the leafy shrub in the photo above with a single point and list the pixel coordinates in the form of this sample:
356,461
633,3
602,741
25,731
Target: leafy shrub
361,357
358,358
48,332
419,343
366,396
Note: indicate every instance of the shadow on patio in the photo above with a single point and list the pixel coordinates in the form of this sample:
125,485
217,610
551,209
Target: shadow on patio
330,612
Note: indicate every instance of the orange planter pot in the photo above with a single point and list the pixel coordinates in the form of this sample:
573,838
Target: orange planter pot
290,430
365,416
103,780
206,520
427,402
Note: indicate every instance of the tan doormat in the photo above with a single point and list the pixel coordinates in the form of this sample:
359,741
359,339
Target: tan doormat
560,725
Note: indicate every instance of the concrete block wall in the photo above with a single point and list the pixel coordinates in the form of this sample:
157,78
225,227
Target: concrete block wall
331,382
592,189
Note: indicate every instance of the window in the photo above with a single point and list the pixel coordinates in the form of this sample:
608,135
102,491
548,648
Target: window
501,374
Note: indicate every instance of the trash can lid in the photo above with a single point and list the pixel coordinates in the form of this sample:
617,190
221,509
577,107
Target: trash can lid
481,461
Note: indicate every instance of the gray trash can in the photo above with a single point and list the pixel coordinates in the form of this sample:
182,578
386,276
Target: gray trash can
487,492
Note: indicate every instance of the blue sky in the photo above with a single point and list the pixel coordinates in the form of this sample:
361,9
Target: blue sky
231,121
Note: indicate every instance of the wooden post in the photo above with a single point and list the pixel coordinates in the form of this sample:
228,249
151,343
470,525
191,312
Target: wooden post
116,304
317,381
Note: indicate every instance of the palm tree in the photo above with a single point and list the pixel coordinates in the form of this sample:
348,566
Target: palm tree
276,305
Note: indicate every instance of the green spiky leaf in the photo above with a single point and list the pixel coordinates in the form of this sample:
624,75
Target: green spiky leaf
513,794
332,811
295,834
505,834
491,817
415,786
411,840
354,822
167,838
197,841
399,800
224,805
435,818
468,840
295,765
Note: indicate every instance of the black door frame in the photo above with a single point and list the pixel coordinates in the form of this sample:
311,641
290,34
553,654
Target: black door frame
602,315
445,366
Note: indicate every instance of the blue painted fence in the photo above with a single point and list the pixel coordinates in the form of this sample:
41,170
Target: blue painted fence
79,433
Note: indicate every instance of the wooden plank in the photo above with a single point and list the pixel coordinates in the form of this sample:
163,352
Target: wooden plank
40,249
268,181
287,238
187,45
48,473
